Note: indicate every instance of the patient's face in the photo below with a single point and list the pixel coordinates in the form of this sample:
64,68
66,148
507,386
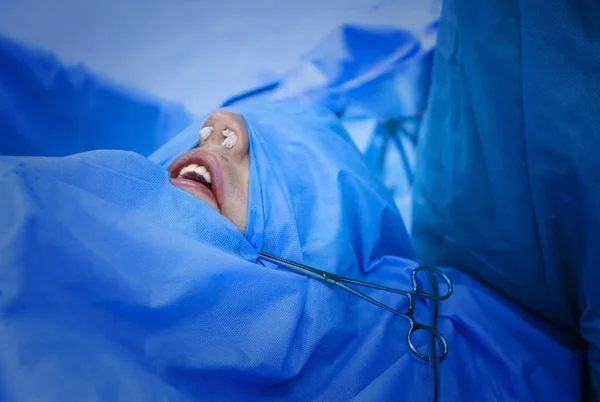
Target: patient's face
217,170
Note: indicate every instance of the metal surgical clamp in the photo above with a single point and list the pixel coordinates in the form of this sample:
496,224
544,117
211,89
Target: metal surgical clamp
341,282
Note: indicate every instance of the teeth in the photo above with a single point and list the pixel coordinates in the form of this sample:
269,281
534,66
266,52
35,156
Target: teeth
188,169
200,170
196,169
206,132
230,138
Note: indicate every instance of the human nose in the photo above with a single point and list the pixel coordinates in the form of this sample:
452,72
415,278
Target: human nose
210,137
226,130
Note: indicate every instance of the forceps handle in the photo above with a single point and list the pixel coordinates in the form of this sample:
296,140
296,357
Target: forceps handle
433,332
414,326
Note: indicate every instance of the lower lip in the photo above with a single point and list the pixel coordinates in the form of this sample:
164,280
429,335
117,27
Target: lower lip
196,189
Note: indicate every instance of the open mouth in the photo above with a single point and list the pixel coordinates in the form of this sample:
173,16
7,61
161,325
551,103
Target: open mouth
198,172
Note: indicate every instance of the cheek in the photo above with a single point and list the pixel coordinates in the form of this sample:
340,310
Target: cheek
242,146
236,209
239,185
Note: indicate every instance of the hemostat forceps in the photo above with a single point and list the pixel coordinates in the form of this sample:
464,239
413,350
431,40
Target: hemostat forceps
341,282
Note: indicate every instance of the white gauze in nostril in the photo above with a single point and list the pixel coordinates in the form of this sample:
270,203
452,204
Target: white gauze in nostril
230,138
206,132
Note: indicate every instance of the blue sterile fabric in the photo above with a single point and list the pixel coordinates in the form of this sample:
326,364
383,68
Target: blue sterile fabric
379,72
117,286
47,109
508,177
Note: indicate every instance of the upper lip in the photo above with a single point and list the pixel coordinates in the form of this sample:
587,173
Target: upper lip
209,161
